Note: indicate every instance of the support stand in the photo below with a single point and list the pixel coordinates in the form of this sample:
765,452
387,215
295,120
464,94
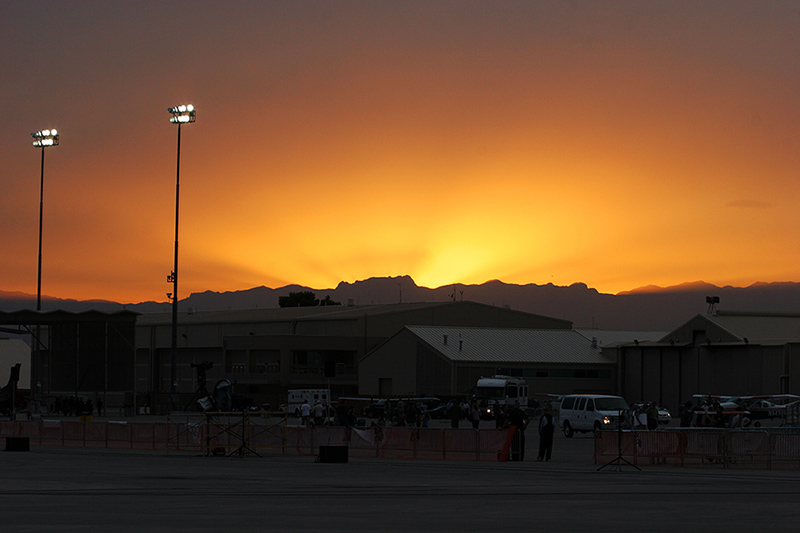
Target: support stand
617,463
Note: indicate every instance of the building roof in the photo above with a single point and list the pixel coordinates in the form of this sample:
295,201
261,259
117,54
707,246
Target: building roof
750,327
324,312
612,339
508,345
28,317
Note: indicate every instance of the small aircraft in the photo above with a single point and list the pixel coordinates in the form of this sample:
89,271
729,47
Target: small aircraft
753,408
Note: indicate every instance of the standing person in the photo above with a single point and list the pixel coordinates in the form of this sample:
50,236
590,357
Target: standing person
455,414
342,416
475,416
500,416
652,416
547,427
319,414
687,414
519,419
305,412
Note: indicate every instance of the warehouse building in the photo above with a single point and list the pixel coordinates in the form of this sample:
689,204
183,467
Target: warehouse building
721,353
447,361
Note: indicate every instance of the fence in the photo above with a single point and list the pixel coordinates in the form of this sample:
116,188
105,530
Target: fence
774,448
262,434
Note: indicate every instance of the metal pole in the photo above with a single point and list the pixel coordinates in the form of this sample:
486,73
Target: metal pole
174,359
41,210
37,358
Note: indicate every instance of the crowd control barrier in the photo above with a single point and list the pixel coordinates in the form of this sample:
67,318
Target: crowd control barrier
763,448
258,434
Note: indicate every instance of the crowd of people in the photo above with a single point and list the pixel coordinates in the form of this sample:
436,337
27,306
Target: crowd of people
417,414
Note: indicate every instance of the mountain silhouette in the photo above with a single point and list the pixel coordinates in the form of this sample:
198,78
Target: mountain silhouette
648,308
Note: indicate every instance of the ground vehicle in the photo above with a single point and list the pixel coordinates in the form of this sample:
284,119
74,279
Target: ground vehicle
297,397
664,416
494,392
590,412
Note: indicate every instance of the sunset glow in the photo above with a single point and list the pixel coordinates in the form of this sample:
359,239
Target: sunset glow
617,144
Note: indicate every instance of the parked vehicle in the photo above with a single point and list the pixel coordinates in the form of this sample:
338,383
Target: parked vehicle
590,412
495,392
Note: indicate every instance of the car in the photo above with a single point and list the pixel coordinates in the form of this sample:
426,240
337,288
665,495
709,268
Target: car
664,416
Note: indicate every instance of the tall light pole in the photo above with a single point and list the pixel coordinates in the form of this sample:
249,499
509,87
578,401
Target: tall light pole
182,114
41,139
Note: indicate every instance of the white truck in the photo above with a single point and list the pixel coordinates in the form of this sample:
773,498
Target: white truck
495,392
297,397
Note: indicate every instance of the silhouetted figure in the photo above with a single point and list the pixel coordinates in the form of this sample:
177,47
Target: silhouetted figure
519,419
547,428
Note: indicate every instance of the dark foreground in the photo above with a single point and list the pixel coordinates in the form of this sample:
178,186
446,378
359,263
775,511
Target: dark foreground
58,489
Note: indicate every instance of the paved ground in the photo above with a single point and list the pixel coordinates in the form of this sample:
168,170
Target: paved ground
58,489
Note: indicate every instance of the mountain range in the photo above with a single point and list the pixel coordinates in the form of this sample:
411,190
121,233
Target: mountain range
645,309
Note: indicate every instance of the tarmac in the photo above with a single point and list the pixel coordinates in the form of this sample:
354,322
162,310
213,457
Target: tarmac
77,489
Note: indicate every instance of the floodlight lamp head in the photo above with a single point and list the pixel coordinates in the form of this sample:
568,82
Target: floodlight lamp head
182,114
45,138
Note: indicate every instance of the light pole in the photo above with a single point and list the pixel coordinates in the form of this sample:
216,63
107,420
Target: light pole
41,139
182,114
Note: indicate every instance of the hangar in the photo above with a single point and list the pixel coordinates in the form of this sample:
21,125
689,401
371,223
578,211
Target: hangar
722,353
88,353
448,360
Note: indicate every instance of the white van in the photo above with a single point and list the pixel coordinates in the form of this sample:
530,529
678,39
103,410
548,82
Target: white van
590,412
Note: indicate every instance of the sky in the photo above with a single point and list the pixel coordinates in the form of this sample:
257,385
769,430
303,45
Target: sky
619,144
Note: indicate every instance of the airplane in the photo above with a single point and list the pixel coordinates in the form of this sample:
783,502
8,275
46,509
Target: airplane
754,408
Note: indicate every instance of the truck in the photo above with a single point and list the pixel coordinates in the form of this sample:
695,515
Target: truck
297,397
492,393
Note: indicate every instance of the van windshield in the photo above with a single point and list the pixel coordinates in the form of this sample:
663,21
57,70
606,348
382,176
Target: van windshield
610,404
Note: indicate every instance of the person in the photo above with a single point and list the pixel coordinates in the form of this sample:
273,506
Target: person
652,416
687,415
475,416
342,416
455,414
319,414
547,428
519,419
305,412
500,416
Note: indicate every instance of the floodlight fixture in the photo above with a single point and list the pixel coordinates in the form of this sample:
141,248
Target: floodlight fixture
181,114
45,138
41,139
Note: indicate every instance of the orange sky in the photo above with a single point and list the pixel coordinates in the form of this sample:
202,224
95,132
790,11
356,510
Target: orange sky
617,144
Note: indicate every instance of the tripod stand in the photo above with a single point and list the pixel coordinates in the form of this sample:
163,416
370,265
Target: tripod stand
617,462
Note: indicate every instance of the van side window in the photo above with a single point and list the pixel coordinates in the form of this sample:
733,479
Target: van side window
581,404
590,404
568,403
